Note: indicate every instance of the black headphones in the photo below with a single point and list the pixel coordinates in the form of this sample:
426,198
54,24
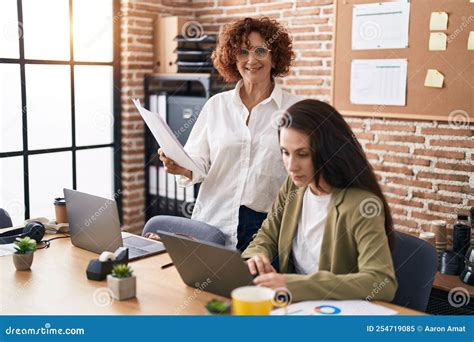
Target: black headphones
34,230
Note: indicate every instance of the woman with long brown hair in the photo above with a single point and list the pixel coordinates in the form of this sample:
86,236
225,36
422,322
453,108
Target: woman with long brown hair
330,226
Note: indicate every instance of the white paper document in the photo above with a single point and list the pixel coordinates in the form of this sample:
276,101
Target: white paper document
381,25
334,308
7,249
167,140
379,82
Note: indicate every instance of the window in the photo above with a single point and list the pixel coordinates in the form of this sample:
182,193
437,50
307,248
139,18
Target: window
59,102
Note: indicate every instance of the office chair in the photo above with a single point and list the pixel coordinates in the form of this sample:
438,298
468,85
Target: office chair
184,226
415,263
5,219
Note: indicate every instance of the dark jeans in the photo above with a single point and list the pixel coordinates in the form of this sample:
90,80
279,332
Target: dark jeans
250,222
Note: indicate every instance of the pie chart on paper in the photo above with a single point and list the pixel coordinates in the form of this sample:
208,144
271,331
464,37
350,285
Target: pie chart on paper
327,310
333,308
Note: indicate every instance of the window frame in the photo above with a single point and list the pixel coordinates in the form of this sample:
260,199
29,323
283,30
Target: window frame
116,70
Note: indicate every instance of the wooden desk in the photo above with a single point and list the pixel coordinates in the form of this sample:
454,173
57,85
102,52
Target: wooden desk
57,285
448,282
439,303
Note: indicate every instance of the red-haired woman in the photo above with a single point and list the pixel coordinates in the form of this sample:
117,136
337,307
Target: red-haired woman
235,138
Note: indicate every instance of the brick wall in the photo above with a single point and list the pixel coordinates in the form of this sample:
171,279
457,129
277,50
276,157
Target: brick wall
425,167
137,19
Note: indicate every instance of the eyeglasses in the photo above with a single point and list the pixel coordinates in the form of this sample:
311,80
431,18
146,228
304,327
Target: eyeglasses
259,52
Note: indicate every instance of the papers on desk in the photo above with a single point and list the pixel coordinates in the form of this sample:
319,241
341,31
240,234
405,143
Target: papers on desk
167,140
380,25
379,81
334,308
7,249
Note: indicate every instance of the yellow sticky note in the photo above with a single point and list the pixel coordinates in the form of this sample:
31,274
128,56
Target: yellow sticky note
434,79
439,21
438,41
470,41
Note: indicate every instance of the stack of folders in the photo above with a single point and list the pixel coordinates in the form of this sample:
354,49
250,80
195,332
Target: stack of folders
164,185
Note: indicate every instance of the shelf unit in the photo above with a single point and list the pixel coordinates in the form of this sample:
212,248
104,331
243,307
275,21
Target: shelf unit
179,98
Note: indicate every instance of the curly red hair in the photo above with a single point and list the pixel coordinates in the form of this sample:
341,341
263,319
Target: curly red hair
232,35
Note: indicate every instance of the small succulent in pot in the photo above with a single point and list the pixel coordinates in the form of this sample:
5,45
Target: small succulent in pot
122,271
218,307
24,252
122,282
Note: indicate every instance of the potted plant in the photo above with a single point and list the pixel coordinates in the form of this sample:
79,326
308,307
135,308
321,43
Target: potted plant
218,307
121,282
24,251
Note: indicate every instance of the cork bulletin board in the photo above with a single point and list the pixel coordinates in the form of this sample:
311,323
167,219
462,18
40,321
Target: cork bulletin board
454,101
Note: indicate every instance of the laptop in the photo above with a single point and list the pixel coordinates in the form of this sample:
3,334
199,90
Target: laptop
207,266
94,225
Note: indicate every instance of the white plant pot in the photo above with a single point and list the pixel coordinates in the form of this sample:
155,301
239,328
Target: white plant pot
23,261
122,288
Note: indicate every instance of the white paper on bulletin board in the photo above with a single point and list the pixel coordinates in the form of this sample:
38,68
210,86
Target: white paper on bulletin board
378,82
381,25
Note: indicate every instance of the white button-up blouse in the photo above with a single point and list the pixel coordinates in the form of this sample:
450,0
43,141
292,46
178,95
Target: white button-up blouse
243,164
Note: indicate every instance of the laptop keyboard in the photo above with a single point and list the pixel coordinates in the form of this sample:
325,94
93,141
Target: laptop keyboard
136,241
139,247
134,251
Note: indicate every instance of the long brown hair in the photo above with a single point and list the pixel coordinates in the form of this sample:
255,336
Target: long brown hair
337,154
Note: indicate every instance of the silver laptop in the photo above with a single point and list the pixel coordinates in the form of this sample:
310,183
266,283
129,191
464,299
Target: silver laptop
205,265
94,225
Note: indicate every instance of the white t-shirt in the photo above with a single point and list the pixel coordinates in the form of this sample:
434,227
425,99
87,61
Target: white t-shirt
243,163
306,246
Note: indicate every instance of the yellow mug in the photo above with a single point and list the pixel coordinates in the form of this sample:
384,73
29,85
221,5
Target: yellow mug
252,300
